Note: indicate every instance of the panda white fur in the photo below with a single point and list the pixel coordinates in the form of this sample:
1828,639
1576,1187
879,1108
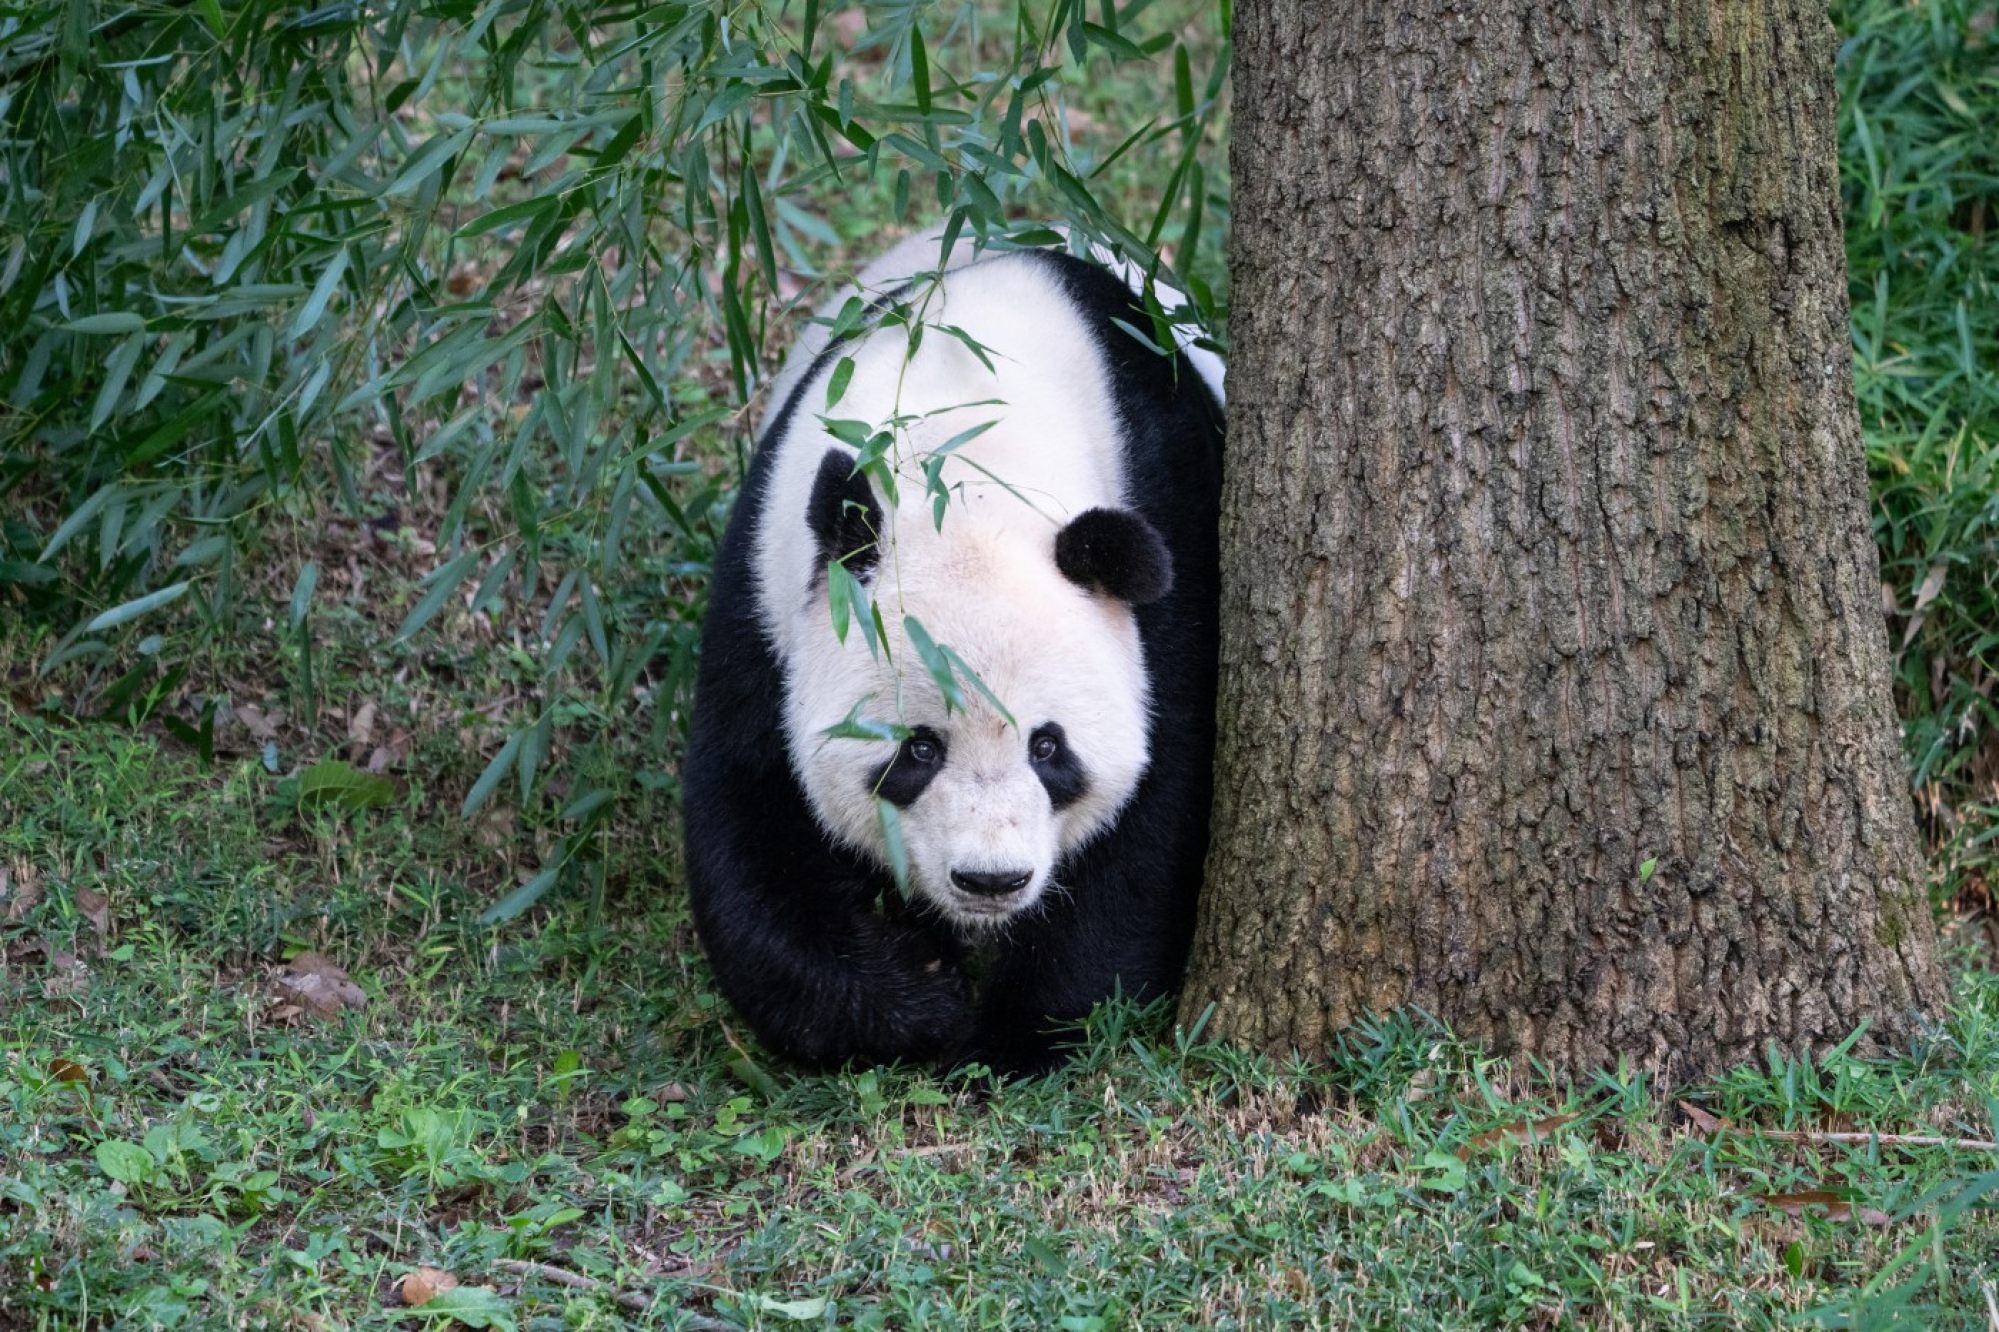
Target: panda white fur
1058,854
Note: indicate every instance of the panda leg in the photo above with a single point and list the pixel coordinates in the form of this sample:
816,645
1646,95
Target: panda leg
1107,938
789,926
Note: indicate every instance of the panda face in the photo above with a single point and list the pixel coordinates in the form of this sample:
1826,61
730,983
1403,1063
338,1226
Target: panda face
988,807
1029,575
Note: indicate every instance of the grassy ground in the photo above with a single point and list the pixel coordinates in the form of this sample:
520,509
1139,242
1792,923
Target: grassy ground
186,1140
204,1123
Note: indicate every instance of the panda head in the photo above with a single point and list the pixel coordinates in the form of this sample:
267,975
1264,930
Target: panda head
1043,614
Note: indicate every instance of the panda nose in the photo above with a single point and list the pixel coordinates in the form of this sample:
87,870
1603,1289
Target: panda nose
991,883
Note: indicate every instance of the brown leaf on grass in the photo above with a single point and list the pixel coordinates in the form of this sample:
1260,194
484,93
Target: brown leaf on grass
67,975
389,753
418,1288
26,890
316,983
1933,582
361,726
95,907
1525,1131
1702,1121
255,722
68,1070
1834,1206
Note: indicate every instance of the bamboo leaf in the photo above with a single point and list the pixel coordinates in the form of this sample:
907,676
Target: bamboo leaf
935,662
521,898
426,161
495,771
117,321
133,609
836,385
892,841
308,579
443,581
322,293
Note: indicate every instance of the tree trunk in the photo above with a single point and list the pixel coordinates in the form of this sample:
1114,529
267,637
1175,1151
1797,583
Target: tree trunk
1546,554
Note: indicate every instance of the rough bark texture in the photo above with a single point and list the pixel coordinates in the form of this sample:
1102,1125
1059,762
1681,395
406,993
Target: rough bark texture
1546,546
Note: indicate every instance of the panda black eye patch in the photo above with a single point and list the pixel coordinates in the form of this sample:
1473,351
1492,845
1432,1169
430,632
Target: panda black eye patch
916,763
1060,771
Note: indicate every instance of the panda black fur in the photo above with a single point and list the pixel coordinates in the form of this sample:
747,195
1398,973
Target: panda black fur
808,939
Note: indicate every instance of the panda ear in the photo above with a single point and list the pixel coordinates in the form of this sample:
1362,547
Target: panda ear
1115,552
846,521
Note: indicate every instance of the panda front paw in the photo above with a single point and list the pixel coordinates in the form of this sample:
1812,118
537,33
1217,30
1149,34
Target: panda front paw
890,995
1013,1056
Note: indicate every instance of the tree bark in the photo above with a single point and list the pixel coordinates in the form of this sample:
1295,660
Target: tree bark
1546,550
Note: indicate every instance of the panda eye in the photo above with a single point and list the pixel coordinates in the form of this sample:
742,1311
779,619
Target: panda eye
923,750
1044,748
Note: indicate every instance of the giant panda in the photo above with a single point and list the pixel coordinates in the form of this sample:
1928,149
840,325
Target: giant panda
1053,850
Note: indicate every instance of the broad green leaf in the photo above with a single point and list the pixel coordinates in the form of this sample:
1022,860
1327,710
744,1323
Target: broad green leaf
126,1162
797,1311
337,782
466,1306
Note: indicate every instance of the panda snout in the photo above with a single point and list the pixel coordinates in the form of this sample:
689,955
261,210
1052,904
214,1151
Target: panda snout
992,883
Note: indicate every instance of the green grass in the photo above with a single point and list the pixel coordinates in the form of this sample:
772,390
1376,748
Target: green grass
180,1147
1920,134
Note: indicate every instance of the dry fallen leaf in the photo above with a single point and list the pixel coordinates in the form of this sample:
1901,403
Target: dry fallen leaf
1835,1207
68,1070
422,1286
67,975
317,983
361,726
1702,1121
95,907
1527,1131
255,722
1932,584
26,890
390,752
